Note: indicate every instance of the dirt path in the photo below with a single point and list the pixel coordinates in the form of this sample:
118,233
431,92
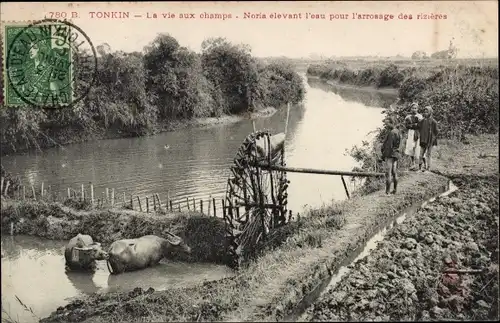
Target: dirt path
404,277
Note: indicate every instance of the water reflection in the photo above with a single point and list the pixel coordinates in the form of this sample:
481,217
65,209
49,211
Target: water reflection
82,281
368,97
167,275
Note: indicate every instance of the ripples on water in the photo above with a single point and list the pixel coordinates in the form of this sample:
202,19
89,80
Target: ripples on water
198,160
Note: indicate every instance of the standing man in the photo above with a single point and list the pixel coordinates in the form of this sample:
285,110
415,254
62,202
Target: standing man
428,138
412,147
390,154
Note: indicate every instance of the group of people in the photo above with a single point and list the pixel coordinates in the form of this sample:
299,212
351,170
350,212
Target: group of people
422,132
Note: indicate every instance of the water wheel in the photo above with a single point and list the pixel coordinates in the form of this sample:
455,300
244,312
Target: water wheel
256,197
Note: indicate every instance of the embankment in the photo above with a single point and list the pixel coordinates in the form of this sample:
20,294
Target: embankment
271,287
70,135
404,278
204,234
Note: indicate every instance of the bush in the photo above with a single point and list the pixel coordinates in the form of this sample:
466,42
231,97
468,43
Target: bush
464,100
137,93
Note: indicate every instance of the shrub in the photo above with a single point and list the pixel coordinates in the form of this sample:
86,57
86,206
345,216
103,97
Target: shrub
137,93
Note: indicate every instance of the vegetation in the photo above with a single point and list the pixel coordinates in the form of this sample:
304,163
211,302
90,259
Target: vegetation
464,97
142,93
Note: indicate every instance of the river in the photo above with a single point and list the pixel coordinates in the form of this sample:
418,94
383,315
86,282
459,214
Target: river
197,163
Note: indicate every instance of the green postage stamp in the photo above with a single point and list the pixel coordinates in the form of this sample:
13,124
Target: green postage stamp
47,64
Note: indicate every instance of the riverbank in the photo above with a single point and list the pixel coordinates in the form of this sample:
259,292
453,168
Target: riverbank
73,136
271,287
362,88
205,235
463,93
404,278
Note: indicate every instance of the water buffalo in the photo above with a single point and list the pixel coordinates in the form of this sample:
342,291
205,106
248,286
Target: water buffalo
134,254
81,252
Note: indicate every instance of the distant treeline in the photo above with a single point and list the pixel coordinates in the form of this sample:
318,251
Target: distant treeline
464,97
142,93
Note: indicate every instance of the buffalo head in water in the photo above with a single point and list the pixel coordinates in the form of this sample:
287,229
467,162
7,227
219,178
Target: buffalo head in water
146,251
81,252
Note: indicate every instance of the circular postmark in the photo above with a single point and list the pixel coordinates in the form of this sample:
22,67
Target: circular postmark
50,64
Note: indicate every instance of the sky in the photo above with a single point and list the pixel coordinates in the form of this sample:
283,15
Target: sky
473,26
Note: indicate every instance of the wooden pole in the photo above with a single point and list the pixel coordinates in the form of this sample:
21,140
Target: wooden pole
139,202
69,193
83,192
169,202
6,188
1,187
41,191
32,191
131,201
321,171
147,205
107,195
345,187
159,201
287,115
179,205
12,228
187,202
194,204
209,204
91,193
154,202
214,206
223,207
171,205
201,206
124,199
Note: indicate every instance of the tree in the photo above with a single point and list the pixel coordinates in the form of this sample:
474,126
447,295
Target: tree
232,71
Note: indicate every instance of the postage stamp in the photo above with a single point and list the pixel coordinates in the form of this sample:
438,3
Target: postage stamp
48,63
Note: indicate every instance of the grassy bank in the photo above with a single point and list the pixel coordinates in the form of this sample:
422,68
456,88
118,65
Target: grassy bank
269,288
404,278
55,221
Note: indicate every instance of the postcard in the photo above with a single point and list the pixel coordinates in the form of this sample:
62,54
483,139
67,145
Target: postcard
253,160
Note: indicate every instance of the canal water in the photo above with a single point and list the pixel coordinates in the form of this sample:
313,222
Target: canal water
197,163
